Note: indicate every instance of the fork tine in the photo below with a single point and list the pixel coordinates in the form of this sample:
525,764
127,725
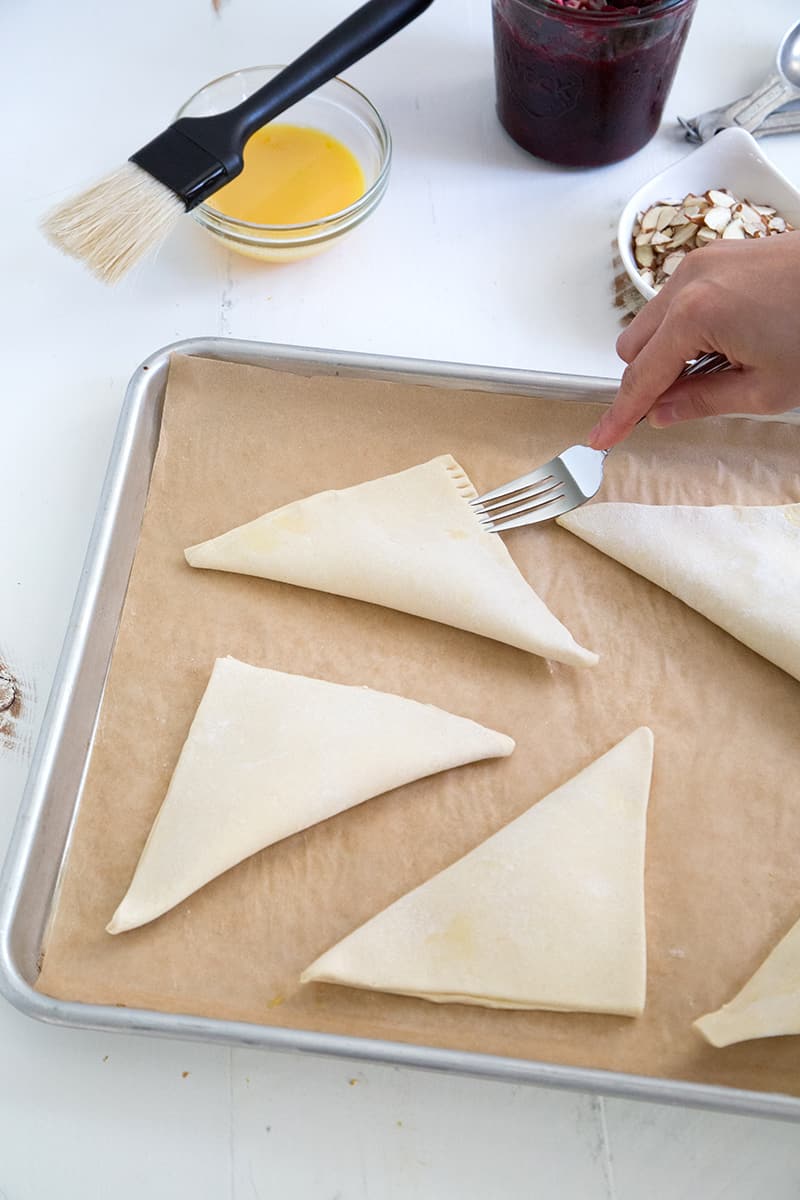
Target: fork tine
706,364
545,512
564,483
514,485
530,505
541,489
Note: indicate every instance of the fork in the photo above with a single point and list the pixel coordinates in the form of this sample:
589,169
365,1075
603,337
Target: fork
566,481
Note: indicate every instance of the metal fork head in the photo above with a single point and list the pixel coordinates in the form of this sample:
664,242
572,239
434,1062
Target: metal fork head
563,483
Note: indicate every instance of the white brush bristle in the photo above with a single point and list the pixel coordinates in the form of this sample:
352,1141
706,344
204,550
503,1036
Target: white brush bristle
114,223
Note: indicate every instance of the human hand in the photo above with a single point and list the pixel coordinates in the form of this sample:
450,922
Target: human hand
738,298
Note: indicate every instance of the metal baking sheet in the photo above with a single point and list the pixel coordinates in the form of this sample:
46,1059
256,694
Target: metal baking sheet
29,880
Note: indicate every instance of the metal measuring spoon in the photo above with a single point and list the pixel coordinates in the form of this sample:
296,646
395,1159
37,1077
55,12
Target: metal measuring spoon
756,111
788,60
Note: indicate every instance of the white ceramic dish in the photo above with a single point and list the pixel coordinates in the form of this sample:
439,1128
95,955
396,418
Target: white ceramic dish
732,159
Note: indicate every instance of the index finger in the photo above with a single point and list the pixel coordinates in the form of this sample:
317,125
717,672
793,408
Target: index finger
654,369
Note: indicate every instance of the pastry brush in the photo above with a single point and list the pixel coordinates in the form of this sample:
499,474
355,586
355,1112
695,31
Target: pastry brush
115,222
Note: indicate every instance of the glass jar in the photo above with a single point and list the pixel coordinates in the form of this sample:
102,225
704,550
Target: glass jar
585,87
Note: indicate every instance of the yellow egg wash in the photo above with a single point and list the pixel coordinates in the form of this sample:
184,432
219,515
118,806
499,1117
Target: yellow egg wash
292,174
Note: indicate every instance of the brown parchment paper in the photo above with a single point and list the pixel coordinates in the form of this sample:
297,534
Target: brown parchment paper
724,824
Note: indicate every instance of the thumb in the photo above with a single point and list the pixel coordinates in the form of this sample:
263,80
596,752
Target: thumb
705,396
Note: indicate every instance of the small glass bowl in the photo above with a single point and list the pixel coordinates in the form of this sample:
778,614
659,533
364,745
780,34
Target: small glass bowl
337,108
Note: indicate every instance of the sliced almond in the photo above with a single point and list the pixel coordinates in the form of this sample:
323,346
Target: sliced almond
734,229
706,235
673,261
661,237
695,214
644,256
648,219
647,277
666,216
682,235
717,218
763,210
721,198
642,239
777,225
748,214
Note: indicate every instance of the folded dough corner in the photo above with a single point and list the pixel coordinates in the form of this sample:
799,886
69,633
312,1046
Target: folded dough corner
269,754
409,541
769,1003
548,913
737,565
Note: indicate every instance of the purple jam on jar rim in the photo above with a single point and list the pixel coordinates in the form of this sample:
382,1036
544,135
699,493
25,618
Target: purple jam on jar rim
585,86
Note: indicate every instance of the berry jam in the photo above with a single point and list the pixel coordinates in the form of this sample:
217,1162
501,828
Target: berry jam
583,82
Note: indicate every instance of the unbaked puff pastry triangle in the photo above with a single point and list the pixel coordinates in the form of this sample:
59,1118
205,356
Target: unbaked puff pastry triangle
769,1003
409,541
546,914
738,566
269,754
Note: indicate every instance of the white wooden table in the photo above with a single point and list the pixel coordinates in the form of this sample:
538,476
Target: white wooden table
476,254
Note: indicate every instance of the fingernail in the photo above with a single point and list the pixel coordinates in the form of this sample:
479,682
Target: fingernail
662,416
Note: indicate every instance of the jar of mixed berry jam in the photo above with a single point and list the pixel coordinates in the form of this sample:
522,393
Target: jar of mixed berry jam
583,82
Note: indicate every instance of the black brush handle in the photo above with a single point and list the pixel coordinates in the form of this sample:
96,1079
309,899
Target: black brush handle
198,155
362,32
